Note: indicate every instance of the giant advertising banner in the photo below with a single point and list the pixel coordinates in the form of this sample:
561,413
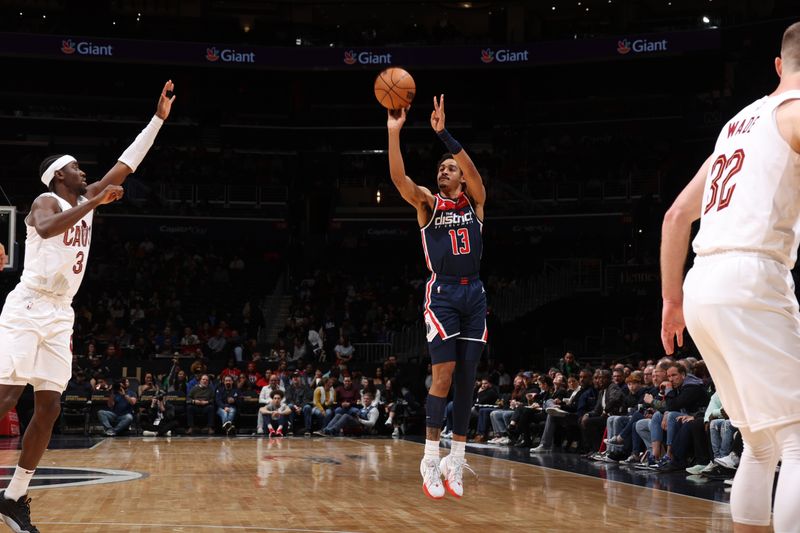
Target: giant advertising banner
217,55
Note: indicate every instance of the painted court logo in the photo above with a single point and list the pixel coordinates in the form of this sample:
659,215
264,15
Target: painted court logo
59,477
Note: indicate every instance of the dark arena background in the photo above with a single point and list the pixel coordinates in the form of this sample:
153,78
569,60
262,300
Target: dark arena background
265,210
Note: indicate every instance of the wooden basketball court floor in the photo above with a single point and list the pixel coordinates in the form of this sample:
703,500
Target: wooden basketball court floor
211,484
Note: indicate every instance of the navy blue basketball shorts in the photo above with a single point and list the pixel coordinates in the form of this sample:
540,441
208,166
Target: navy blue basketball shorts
455,309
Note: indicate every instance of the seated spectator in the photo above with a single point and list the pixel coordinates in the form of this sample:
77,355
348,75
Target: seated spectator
265,397
324,403
276,414
615,424
403,405
149,386
189,342
299,398
79,386
102,383
243,384
390,367
609,402
532,411
216,343
347,397
485,403
253,376
367,386
159,418
201,403
227,397
120,402
299,351
231,370
377,379
178,385
502,416
344,351
685,397
568,365
366,418
566,414
721,433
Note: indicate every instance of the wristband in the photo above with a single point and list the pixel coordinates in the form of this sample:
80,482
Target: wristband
452,145
134,154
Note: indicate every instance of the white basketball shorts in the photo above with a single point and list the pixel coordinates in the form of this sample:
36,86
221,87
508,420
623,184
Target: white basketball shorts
35,340
742,314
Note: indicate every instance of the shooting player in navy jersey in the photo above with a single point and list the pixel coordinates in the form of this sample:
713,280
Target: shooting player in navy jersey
455,302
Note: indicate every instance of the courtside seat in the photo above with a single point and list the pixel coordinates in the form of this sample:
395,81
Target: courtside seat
76,408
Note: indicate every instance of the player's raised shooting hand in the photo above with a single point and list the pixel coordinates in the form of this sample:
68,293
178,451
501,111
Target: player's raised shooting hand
111,193
165,100
396,118
437,115
672,325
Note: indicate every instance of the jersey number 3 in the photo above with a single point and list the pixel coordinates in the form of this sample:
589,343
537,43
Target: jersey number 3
460,241
727,166
77,268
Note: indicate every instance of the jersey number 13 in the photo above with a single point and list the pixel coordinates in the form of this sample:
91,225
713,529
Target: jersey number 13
459,239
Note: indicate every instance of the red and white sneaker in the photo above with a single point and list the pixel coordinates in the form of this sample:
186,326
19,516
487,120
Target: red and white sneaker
452,469
431,478
279,432
271,432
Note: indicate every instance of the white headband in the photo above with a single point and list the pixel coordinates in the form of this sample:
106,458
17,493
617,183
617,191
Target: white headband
58,164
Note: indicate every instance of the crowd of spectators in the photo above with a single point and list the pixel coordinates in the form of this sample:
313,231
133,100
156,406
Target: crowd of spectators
662,416
259,397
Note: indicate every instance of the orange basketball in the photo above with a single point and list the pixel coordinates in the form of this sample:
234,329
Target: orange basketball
395,88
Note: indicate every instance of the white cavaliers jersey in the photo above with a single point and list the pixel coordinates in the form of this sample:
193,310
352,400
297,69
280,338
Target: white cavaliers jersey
56,265
751,200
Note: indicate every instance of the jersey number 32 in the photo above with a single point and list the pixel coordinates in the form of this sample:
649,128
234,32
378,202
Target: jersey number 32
724,168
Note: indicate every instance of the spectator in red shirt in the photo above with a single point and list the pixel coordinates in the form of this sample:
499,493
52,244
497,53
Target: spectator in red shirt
231,370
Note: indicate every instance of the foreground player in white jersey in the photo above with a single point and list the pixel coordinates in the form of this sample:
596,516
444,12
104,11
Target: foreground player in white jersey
37,318
738,299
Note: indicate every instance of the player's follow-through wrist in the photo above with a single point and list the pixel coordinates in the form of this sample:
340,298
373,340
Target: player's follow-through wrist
453,146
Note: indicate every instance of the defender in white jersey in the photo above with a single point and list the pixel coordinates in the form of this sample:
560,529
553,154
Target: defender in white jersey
738,300
37,318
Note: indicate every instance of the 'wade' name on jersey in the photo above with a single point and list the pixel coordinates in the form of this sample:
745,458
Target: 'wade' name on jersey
79,235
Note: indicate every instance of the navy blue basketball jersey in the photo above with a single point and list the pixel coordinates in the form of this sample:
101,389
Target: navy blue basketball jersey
452,239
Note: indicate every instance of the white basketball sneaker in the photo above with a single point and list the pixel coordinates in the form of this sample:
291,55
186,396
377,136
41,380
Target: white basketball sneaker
452,469
431,478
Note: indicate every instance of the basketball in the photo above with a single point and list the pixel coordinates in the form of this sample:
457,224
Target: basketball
395,88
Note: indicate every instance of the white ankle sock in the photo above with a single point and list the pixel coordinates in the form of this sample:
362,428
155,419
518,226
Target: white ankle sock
19,483
432,449
457,448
